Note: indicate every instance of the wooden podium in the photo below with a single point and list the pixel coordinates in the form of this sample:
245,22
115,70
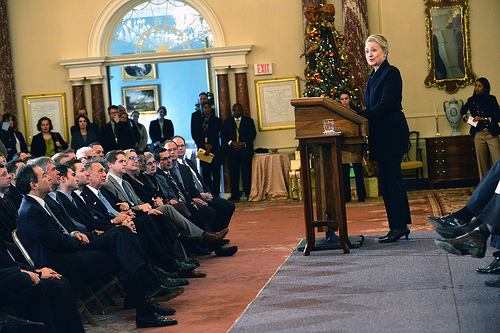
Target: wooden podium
323,151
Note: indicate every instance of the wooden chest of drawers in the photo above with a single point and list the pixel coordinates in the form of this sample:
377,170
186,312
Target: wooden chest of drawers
451,158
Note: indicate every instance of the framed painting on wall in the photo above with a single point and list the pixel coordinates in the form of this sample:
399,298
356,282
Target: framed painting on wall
273,103
52,106
138,72
141,98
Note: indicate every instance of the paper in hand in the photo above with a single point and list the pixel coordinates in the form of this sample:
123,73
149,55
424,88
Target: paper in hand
205,158
471,121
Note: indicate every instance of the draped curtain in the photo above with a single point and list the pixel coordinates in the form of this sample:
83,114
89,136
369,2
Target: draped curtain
356,32
7,93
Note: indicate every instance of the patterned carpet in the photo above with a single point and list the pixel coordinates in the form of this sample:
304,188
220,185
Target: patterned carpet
266,233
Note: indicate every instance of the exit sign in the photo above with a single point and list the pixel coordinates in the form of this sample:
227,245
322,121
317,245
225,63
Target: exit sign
263,69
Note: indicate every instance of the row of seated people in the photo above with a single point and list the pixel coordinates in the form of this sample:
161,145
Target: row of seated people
61,234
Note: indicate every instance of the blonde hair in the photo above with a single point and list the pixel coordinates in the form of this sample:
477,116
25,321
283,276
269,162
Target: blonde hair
380,40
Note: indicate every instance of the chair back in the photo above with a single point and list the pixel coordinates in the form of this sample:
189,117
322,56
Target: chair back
21,248
418,152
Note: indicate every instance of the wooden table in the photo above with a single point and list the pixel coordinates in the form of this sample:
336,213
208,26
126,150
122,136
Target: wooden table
329,182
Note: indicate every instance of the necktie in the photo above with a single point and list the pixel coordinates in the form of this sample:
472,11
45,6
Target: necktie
238,130
9,205
181,196
62,229
106,203
115,131
129,194
196,181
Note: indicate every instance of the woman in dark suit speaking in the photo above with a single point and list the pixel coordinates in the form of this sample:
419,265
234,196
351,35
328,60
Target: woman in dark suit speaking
388,135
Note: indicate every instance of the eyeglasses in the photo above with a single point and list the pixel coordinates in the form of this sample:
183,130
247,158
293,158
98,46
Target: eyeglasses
88,157
149,163
132,158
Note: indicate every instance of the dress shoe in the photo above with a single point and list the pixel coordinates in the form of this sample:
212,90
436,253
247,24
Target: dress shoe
225,241
162,272
226,251
23,325
192,261
492,268
154,320
162,311
454,232
193,274
212,237
234,198
394,235
493,283
162,294
447,221
183,267
473,243
169,282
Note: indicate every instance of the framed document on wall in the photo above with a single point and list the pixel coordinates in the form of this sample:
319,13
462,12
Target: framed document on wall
52,106
273,103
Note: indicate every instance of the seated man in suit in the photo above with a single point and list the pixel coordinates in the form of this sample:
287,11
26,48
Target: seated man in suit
165,172
116,134
201,214
158,246
85,154
12,168
237,136
121,194
224,209
98,149
50,239
41,295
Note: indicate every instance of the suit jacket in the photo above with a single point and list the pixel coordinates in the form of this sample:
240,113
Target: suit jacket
388,129
40,235
194,121
155,132
118,195
77,140
164,179
247,135
8,219
15,196
192,165
38,147
9,140
80,212
125,137
95,205
212,136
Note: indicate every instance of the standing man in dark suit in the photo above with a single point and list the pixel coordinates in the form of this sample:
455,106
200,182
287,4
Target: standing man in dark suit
202,99
237,136
116,134
161,129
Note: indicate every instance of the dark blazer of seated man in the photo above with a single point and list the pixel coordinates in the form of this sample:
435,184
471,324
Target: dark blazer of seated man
201,214
71,252
199,188
41,295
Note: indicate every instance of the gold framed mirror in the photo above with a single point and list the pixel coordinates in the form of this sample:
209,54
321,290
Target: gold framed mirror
448,45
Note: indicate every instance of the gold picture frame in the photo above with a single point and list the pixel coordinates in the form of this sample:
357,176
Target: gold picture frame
139,72
448,45
273,103
52,106
141,98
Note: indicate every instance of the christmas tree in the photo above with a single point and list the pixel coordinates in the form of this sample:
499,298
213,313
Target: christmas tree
327,67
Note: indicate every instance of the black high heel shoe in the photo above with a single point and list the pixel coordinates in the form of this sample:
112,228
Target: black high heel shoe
394,235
